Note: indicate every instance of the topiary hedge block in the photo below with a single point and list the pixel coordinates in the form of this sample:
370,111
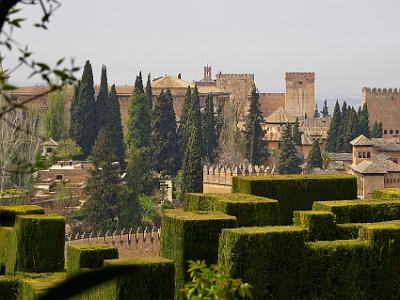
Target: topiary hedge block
191,236
297,192
5,234
348,231
8,213
361,211
337,270
269,258
248,209
9,286
37,244
148,278
387,193
321,225
34,285
89,256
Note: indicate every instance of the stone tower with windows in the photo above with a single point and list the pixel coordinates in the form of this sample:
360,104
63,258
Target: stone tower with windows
300,94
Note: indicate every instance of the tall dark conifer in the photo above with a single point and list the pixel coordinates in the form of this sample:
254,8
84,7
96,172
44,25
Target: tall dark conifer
314,158
364,120
256,147
334,129
139,119
184,115
325,110
289,161
164,136
192,170
193,120
208,127
316,112
377,131
84,113
149,92
102,101
352,129
114,126
74,119
296,134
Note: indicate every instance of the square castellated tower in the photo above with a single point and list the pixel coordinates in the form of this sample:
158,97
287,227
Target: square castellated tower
300,94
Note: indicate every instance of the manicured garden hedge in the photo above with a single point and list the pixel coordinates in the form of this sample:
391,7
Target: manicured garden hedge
297,192
321,225
37,244
348,231
32,286
8,213
387,193
269,258
9,286
190,236
5,234
248,209
88,256
361,211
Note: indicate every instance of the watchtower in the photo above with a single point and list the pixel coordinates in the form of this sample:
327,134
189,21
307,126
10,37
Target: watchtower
300,94
207,73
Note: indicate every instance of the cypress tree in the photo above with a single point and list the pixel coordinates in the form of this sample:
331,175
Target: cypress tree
164,136
352,129
102,101
74,112
296,134
380,130
114,126
288,162
84,113
192,170
139,121
219,121
314,158
333,131
208,127
325,110
193,120
377,131
184,115
256,148
316,112
149,92
364,120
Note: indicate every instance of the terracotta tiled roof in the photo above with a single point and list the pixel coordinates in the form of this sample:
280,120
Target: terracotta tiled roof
369,167
361,140
281,115
169,82
306,139
341,156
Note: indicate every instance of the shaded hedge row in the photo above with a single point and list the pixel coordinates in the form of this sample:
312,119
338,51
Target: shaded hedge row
280,265
189,235
386,193
321,225
297,192
361,211
248,209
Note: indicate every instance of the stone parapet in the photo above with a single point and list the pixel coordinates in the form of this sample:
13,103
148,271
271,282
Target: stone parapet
222,174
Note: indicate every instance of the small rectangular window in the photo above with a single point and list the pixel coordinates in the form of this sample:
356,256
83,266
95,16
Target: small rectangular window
368,154
391,131
58,177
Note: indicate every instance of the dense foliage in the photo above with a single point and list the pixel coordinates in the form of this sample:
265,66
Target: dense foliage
289,158
314,158
209,132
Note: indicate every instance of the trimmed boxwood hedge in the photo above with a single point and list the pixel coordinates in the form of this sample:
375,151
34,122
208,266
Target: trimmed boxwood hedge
297,192
5,234
248,209
34,285
361,211
9,286
348,231
191,236
269,258
89,256
386,193
8,213
321,225
36,245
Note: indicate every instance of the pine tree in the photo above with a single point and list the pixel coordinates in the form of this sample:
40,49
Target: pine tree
333,131
296,134
102,101
316,112
289,161
164,136
208,127
84,113
256,147
149,92
364,120
139,120
325,110
108,204
314,158
114,126
192,181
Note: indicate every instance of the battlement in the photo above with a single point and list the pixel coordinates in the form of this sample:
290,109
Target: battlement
380,91
296,75
236,76
222,174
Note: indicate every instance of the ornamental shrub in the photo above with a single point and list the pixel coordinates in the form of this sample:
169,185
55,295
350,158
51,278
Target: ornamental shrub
321,225
387,193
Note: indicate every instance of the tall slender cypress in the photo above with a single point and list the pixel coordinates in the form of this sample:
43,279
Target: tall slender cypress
208,126
102,101
139,121
296,134
193,120
364,120
164,136
333,131
325,110
316,112
114,126
149,92
256,147
192,181
74,111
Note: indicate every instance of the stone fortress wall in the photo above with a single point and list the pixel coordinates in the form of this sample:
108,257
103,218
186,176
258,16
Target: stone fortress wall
383,106
300,94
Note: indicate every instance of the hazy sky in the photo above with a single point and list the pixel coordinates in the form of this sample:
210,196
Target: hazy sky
347,43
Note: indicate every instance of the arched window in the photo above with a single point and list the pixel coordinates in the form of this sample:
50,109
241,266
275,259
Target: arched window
359,154
385,131
368,154
364,155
